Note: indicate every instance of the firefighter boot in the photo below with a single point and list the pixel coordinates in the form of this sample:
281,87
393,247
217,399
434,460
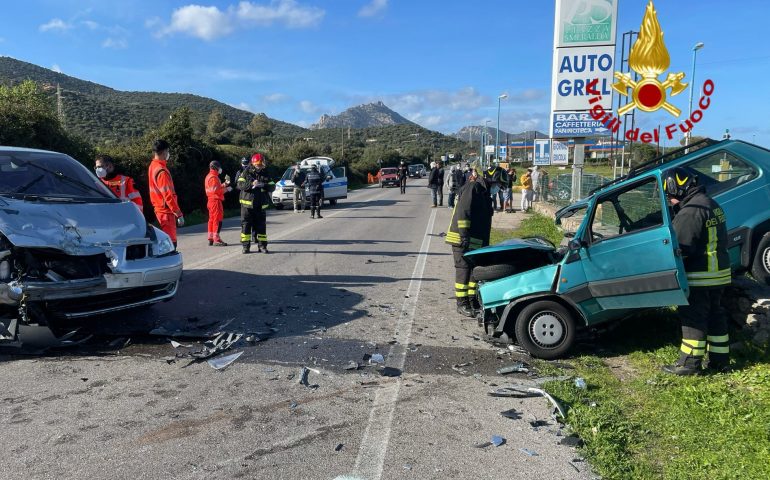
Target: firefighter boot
246,247
312,212
263,247
685,366
319,213
464,308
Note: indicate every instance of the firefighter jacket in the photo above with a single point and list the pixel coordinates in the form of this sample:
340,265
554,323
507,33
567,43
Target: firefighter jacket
215,190
162,193
700,228
123,188
314,183
403,171
472,216
255,195
495,176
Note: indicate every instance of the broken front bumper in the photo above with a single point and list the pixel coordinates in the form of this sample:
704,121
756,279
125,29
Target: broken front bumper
142,282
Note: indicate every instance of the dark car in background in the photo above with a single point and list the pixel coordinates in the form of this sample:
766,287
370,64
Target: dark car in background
417,171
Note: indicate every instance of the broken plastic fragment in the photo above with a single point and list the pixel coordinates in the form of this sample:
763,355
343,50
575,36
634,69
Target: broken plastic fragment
580,383
303,375
512,414
515,368
390,372
176,344
220,363
352,365
519,391
529,452
377,358
339,447
497,440
557,405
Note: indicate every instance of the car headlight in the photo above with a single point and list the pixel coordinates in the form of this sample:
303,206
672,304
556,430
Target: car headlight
164,242
114,261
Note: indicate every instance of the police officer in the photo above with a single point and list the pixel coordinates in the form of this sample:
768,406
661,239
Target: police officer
255,187
700,227
469,229
315,191
403,173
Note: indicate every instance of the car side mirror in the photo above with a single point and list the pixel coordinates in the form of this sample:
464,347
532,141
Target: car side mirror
575,245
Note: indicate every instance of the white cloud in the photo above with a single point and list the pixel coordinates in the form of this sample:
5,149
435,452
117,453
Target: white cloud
275,98
116,43
91,25
287,12
309,107
243,106
56,24
206,23
373,8
56,68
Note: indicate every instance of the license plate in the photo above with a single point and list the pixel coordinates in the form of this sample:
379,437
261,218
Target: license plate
123,280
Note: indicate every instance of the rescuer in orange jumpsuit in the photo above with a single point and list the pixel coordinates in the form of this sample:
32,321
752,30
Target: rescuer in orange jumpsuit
162,194
121,185
215,192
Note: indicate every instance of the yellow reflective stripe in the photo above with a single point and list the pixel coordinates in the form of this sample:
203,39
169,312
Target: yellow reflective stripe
463,224
461,294
694,343
471,293
711,250
241,179
264,207
720,273
718,338
245,238
710,282
472,284
698,352
262,237
459,286
247,202
714,349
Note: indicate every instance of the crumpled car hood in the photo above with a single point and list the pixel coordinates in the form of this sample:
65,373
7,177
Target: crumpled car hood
523,244
75,229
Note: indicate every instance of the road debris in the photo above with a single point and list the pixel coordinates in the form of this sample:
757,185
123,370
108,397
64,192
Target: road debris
352,365
571,441
303,377
377,358
529,452
518,391
497,440
339,447
458,367
390,372
512,414
223,362
515,368
580,383
176,344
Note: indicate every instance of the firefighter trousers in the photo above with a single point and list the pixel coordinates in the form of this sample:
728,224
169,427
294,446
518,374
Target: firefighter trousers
704,328
253,220
465,285
216,215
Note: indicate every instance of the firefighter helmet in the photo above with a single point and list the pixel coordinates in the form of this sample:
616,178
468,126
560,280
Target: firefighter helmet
679,182
257,160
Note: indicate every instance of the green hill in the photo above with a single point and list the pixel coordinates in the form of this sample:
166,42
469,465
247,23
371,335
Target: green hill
100,113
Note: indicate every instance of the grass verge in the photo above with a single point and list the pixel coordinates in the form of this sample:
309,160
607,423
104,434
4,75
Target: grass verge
536,225
640,423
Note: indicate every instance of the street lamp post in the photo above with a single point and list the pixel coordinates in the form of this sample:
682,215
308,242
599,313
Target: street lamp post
695,49
497,132
486,140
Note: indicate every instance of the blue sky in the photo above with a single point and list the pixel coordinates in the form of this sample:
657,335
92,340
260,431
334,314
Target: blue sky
439,63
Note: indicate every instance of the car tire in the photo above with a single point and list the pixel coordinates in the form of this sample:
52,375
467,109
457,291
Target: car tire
333,202
760,267
545,329
279,206
493,272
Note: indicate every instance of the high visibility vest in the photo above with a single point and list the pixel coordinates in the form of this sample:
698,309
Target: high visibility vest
162,193
214,188
123,188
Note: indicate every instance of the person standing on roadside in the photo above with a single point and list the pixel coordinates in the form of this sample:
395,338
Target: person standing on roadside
512,180
700,226
536,184
298,179
315,190
493,177
434,183
215,192
403,174
469,229
452,186
121,185
255,187
526,190
162,194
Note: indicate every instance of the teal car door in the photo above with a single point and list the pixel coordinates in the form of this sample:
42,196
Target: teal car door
629,257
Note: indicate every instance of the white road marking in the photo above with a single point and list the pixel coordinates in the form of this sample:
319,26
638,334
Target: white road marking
374,445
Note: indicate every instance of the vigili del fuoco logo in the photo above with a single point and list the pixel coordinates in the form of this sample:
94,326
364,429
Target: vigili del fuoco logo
649,59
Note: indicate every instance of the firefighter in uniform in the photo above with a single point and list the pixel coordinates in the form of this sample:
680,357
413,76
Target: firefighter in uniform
255,187
315,190
700,228
121,185
215,192
403,173
469,230
162,193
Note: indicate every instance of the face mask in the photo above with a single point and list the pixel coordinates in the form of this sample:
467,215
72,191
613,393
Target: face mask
220,171
101,172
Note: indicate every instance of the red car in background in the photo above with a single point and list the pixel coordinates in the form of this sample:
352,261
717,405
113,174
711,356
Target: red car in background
388,176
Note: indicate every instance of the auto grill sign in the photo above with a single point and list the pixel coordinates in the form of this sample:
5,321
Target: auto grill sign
575,68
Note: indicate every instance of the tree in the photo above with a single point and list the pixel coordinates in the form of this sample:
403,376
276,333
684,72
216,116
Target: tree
216,127
260,126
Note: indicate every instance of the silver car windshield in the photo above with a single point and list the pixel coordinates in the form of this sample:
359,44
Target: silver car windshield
52,175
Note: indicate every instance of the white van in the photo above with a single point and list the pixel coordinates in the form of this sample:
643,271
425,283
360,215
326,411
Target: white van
335,185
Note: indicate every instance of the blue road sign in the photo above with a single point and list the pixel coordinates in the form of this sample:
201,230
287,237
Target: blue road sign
577,124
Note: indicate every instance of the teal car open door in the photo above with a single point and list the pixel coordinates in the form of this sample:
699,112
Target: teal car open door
624,255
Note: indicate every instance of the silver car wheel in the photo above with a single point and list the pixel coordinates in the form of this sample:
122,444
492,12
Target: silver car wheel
766,259
547,329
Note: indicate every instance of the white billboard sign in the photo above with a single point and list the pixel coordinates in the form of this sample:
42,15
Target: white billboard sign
574,68
559,153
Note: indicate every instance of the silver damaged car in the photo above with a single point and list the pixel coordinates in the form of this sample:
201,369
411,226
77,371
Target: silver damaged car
70,249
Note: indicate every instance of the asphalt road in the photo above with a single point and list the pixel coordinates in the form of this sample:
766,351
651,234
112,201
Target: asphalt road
373,276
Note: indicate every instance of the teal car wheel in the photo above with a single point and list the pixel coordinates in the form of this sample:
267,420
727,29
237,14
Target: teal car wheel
545,329
760,268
